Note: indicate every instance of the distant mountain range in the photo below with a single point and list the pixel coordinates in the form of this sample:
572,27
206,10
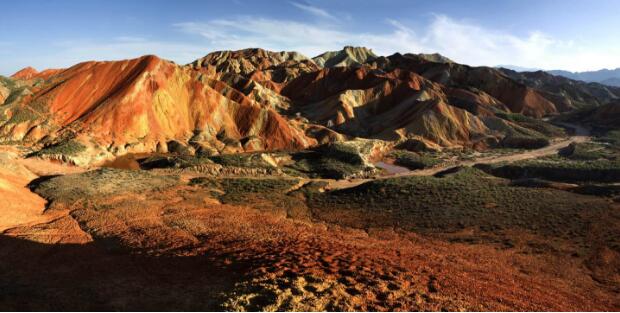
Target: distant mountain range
604,76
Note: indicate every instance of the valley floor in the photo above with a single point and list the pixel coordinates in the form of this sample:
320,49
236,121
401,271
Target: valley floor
163,240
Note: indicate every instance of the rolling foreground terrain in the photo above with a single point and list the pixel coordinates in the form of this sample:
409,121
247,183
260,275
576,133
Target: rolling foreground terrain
260,180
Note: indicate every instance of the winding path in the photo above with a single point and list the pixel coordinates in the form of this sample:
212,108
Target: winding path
580,135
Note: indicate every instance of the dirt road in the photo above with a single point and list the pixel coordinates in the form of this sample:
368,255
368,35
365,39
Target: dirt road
580,135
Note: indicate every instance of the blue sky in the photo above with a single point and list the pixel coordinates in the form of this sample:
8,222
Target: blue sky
568,34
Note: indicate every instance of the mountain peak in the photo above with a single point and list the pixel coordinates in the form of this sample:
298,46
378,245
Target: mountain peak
348,56
435,57
248,60
25,73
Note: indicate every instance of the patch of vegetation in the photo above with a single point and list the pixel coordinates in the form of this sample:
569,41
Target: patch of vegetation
264,193
16,93
248,160
245,185
3,116
599,190
23,115
99,183
9,83
412,160
337,161
559,169
468,198
524,142
537,125
68,148
242,160
176,161
612,138
585,152
342,152
319,165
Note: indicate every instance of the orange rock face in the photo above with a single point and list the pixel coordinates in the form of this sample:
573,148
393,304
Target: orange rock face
25,73
31,73
395,105
134,105
517,97
253,99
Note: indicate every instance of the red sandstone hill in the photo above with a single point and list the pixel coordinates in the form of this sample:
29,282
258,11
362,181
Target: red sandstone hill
253,99
396,105
25,73
31,73
516,96
142,104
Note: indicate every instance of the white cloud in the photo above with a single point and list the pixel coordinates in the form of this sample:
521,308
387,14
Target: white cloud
313,10
69,52
464,42
128,47
130,39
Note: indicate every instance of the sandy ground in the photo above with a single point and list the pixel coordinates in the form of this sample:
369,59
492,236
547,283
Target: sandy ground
20,206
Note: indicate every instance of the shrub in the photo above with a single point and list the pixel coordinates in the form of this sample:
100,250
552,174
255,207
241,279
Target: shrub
412,161
524,142
558,170
467,198
537,125
325,165
69,148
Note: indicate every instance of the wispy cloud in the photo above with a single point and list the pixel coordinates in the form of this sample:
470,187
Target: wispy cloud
66,53
316,11
130,39
463,41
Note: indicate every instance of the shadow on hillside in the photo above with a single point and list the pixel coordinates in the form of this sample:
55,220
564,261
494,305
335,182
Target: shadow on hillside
72,277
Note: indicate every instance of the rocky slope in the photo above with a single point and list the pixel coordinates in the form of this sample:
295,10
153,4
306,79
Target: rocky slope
393,106
253,99
349,56
605,116
566,93
142,105
25,73
517,97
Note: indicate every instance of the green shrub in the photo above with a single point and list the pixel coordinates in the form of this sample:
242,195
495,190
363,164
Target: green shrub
249,160
584,151
613,138
537,125
324,165
412,160
342,152
524,142
468,198
558,169
69,148
268,193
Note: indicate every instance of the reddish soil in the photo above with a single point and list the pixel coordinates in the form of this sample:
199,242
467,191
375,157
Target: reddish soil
180,249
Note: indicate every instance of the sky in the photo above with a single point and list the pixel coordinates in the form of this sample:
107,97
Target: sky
574,35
